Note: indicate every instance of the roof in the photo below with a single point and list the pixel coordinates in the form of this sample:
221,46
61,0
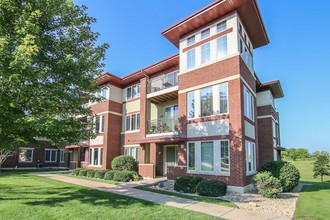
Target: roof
274,86
248,11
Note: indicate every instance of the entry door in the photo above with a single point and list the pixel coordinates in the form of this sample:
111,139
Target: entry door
171,157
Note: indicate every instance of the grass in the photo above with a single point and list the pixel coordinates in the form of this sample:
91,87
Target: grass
313,201
192,197
26,196
93,179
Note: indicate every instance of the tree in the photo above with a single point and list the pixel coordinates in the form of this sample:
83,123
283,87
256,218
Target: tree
317,153
48,64
321,166
4,154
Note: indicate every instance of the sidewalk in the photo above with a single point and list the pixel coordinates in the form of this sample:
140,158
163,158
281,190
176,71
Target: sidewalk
127,190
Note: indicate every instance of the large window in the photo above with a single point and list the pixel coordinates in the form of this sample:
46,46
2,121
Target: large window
209,157
99,123
96,156
191,59
250,151
50,156
133,92
206,99
248,104
223,90
132,151
206,53
133,122
191,105
25,155
222,47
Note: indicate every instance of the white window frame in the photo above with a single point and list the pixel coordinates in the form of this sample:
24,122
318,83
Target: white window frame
25,149
191,40
222,25
248,103
132,88
221,45
191,56
216,158
133,151
100,129
52,151
91,156
137,122
250,151
205,53
62,156
205,33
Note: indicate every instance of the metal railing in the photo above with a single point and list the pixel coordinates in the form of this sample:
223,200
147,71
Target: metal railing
163,82
163,125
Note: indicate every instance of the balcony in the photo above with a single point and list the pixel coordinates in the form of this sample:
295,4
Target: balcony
162,126
163,88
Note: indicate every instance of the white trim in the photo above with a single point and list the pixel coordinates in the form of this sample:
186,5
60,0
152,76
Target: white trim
41,139
162,134
131,145
26,148
267,116
162,91
130,132
109,112
237,76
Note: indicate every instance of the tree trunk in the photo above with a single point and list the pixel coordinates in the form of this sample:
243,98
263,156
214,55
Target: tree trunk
321,178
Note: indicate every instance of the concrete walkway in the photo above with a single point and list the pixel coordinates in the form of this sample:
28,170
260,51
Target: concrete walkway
127,190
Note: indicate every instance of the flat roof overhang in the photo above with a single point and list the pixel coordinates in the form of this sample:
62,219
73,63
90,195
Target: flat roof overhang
248,11
160,140
76,146
274,86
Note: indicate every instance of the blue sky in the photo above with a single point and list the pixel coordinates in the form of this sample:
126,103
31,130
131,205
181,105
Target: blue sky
298,55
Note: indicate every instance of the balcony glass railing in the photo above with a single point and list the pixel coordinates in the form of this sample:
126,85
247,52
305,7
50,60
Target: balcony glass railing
163,82
163,125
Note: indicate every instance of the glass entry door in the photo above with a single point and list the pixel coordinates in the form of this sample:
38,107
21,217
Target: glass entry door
170,156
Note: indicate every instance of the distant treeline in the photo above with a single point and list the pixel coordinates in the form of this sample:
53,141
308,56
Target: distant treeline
301,154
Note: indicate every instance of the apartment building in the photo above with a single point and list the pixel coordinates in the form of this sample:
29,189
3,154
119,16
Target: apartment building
200,112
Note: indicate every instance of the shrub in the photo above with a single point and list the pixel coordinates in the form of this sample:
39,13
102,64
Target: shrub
109,174
211,188
83,172
124,176
285,172
91,173
75,172
124,162
100,174
187,184
267,185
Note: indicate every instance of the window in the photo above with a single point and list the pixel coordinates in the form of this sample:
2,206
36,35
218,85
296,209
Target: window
248,104
191,40
191,156
191,105
205,33
102,93
62,156
133,92
50,155
206,53
25,155
250,151
191,59
240,27
207,156
132,151
96,156
133,122
224,151
222,26
240,46
222,50
99,123
223,89
206,99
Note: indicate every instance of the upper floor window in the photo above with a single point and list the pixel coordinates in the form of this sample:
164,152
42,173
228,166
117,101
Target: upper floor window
222,26
25,155
133,122
223,90
191,40
98,120
191,105
191,59
102,93
206,99
206,53
248,104
240,27
133,92
222,47
205,33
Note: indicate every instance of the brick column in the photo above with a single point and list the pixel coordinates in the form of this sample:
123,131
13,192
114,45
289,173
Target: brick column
143,107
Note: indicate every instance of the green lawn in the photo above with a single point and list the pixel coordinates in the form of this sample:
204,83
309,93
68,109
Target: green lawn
314,200
25,196
192,197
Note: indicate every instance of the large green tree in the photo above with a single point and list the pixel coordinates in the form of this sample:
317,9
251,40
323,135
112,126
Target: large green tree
48,63
321,166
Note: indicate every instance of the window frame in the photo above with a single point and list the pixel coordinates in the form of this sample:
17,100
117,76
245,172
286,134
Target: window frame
250,146
25,149
136,88
208,33
191,56
224,44
50,155
129,151
222,27
62,156
191,40
205,53
128,121
98,126
91,157
249,104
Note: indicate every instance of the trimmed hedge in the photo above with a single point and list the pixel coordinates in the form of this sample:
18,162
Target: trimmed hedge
83,172
267,185
109,175
285,172
125,176
187,184
100,174
124,162
211,188
75,172
91,173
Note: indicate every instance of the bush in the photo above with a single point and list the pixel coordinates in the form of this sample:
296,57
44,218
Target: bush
211,188
91,173
76,171
83,172
124,162
187,184
100,174
267,185
284,171
125,176
109,174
